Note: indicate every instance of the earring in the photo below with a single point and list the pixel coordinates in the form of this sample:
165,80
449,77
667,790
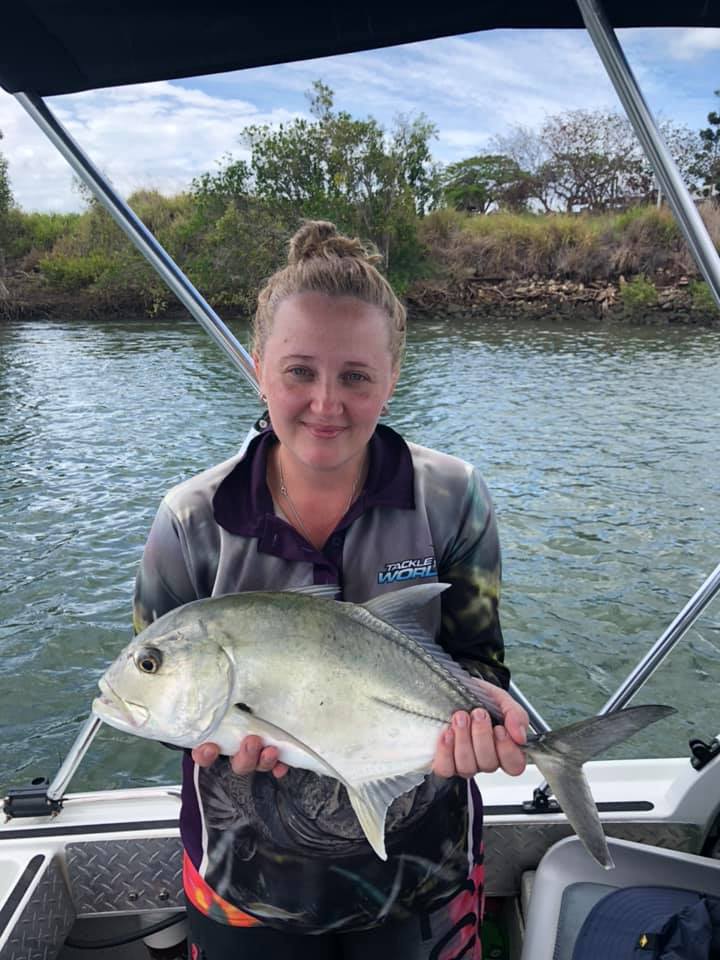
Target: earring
385,409
263,398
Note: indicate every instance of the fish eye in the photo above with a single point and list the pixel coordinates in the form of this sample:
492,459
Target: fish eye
148,660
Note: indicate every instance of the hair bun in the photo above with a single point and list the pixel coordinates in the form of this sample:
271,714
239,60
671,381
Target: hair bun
319,238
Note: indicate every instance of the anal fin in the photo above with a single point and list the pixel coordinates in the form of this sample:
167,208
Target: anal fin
371,801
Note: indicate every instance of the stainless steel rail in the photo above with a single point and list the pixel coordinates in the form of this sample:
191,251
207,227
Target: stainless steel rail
536,721
72,761
139,235
664,644
675,190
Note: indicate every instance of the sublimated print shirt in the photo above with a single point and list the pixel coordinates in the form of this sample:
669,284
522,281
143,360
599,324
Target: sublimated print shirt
290,852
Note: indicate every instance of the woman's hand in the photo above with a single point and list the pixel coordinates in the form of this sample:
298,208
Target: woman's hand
472,745
251,756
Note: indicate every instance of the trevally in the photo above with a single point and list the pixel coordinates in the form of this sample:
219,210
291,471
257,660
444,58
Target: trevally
358,692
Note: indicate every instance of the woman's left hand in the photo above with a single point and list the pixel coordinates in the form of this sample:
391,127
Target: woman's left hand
472,745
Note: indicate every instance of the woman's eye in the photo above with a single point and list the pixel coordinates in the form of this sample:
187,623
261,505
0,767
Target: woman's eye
354,377
299,372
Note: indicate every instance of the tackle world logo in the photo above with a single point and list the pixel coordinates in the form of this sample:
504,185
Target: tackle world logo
408,570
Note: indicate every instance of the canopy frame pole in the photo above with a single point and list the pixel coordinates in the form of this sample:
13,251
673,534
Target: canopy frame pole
72,761
662,647
707,259
671,182
665,643
139,235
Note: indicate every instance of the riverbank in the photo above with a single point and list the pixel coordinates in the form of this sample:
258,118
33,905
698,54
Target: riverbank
628,267
682,300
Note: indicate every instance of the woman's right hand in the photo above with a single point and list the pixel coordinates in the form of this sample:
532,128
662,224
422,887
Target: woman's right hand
251,756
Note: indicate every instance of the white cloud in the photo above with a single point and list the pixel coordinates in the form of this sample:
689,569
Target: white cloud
692,42
472,87
157,135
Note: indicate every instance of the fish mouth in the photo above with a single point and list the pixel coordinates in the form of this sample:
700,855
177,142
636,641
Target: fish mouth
117,711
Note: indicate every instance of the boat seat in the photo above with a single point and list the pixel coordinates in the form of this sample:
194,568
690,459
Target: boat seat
568,883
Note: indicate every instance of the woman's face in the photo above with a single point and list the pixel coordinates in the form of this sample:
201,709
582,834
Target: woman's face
326,371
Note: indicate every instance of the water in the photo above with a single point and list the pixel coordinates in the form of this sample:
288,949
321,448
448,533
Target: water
600,446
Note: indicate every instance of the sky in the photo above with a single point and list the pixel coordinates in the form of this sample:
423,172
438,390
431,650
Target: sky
472,87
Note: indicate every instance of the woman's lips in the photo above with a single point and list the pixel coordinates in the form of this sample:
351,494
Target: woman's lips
323,432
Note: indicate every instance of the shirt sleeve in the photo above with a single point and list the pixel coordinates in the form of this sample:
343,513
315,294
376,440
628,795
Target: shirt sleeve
470,629
163,581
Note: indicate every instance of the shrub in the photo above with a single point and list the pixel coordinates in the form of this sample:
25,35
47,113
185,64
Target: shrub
638,294
701,297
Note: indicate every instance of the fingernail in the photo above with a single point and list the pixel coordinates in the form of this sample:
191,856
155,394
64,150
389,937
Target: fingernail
501,733
461,720
479,715
207,754
448,738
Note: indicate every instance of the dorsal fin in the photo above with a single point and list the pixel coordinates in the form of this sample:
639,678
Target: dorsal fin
399,609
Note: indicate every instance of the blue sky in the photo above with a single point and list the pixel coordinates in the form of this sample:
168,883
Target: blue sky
161,135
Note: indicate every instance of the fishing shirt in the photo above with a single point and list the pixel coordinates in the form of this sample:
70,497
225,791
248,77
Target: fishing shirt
290,852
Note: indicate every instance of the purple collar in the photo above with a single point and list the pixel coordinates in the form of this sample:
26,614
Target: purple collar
243,505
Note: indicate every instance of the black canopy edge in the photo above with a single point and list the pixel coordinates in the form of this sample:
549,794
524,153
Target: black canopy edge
50,47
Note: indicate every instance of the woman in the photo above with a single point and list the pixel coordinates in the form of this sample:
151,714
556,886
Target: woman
328,496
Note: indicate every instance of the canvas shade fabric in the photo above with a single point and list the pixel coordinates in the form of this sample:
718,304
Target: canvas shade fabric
50,47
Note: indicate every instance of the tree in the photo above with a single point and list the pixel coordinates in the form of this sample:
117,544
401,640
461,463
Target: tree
476,184
592,160
346,170
6,198
526,148
706,166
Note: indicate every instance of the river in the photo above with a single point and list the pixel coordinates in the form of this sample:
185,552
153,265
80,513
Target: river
599,444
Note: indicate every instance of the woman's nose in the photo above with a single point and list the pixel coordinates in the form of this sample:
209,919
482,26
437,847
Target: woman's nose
326,398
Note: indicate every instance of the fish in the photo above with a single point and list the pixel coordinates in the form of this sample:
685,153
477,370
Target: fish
358,692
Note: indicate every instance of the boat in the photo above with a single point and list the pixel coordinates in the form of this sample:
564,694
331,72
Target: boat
84,873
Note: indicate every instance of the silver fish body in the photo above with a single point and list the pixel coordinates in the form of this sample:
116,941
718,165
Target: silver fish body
356,692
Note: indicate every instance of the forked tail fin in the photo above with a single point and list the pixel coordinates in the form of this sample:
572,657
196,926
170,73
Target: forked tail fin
560,754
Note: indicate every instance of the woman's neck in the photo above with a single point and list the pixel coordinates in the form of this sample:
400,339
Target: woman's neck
303,481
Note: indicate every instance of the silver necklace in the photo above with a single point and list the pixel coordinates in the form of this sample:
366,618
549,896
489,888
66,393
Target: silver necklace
285,493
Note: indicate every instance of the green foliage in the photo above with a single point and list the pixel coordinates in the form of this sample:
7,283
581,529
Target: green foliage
701,297
75,273
6,198
638,293
231,184
475,184
238,251
28,233
707,158
368,182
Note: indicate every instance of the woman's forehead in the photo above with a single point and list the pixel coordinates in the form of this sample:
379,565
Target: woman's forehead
307,325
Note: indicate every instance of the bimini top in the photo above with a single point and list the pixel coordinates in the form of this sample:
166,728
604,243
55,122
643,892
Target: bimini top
61,46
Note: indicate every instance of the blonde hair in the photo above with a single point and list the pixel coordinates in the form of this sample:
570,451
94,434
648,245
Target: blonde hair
321,260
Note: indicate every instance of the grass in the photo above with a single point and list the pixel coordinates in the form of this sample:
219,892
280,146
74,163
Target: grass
580,247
